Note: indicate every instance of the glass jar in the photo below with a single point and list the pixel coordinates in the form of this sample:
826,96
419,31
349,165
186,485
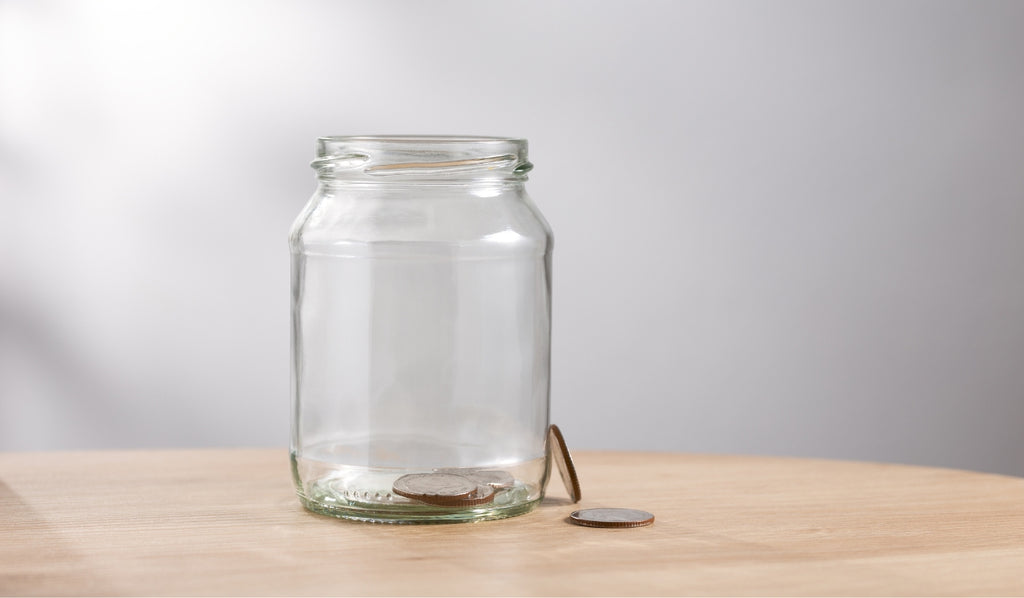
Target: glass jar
421,319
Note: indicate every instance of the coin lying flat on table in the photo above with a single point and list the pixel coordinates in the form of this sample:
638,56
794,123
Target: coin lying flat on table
440,486
611,518
560,453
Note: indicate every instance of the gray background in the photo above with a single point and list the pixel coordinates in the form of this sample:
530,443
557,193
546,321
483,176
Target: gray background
782,228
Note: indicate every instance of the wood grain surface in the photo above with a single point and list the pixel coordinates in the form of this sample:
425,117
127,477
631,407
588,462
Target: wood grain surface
218,522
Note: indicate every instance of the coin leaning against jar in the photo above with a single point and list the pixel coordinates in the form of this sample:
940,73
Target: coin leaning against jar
560,453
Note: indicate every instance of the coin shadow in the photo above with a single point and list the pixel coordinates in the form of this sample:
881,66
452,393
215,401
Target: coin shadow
556,501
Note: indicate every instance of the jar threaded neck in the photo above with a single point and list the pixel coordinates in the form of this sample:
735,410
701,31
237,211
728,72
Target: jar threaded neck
386,158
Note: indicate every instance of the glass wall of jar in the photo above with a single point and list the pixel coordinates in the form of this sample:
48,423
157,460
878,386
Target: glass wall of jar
421,318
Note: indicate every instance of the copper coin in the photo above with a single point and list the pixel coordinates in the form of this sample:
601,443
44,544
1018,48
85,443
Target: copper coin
560,453
611,518
436,486
483,494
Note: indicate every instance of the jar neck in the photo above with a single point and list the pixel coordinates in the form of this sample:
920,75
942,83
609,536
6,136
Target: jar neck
421,160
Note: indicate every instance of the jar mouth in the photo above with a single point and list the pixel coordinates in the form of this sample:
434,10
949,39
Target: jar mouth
377,158
420,139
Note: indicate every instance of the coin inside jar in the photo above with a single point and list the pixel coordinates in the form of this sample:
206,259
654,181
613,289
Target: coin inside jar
499,480
560,453
435,486
483,495
611,518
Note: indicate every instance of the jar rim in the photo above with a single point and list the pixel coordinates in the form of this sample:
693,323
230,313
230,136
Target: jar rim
422,139
450,158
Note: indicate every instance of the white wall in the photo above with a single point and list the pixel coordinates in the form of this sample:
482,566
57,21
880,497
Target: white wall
784,228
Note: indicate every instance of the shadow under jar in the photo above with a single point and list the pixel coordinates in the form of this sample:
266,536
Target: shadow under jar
421,318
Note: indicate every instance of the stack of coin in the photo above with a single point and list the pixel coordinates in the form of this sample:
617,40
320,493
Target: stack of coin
446,489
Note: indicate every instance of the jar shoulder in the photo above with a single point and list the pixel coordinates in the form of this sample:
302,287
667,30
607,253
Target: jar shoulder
333,218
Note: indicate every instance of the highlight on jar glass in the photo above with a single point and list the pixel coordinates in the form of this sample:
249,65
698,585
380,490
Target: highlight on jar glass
421,322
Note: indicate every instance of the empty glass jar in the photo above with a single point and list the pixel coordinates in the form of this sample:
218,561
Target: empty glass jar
421,319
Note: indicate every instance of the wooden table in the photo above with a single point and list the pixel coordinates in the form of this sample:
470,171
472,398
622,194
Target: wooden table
227,522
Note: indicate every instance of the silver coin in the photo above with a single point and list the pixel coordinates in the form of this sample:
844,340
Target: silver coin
483,495
434,485
560,453
499,480
611,518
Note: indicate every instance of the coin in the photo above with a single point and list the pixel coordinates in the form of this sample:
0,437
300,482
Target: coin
482,494
564,461
499,480
436,486
495,478
611,518
443,489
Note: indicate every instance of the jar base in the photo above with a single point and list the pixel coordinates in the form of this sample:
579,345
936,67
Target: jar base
365,494
429,515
